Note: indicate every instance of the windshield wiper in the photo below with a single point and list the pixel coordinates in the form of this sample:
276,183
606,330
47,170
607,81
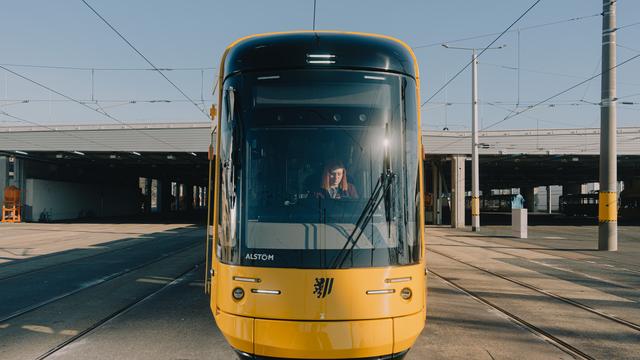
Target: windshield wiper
379,193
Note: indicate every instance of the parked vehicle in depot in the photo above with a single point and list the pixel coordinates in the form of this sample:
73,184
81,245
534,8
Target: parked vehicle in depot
316,247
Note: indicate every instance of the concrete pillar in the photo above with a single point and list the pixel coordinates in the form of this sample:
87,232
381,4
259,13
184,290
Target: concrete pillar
457,191
548,199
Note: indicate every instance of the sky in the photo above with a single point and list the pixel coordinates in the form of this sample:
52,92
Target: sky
190,37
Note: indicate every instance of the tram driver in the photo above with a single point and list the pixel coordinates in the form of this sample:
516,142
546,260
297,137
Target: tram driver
335,184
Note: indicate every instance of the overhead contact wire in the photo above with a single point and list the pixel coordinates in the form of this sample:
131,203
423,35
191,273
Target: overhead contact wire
560,93
85,105
480,54
147,60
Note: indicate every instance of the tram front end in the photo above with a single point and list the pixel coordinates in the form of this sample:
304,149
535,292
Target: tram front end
316,240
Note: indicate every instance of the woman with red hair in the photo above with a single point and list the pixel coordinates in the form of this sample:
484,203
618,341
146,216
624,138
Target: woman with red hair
334,182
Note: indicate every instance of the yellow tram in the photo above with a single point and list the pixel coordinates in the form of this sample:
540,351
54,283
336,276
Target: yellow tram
315,247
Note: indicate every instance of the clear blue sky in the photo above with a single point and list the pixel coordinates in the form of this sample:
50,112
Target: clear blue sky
193,34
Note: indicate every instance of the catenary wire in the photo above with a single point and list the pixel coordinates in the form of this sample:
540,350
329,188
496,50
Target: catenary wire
586,88
559,93
545,100
530,117
146,59
522,104
628,48
93,101
628,25
53,129
496,33
514,68
481,52
166,101
56,67
438,43
630,95
415,47
85,105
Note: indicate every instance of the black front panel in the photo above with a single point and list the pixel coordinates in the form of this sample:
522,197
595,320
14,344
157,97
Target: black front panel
319,170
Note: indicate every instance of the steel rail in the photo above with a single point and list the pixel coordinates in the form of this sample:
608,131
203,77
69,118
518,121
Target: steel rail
179,279
558,343
92,284
566,300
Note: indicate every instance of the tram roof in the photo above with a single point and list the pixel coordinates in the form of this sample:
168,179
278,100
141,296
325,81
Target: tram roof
319,50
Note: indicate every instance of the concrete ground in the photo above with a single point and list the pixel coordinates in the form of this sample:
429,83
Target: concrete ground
107,291
554,286
26,240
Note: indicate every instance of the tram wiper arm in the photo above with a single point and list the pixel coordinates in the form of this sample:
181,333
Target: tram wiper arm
379,192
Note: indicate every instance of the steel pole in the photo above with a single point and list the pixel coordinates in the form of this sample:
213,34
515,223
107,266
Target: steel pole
608,197
475,173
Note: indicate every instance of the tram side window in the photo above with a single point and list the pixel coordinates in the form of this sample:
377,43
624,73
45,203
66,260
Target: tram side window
412,180
230,171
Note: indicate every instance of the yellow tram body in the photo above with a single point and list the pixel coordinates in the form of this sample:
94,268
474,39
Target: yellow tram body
321,312
376,325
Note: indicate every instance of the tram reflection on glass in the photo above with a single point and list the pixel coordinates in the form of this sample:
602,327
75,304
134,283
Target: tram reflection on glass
316,244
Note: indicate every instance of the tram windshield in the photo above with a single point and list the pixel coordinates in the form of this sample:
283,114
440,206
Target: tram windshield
319,170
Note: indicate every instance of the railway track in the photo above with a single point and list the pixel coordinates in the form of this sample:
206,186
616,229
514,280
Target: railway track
566,300
494,249
96,325
624,266
546,336
48,267
95,283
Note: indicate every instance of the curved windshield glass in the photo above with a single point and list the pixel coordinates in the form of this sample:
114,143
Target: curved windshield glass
319,170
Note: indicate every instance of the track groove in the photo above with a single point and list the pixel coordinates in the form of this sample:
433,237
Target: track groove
180,278
95,283
494,249
594,254
563,346
575,303
73,260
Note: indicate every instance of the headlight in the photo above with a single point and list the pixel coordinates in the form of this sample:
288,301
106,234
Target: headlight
406,293
238,293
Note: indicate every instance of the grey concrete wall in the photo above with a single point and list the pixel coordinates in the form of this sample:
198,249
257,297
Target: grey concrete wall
58,200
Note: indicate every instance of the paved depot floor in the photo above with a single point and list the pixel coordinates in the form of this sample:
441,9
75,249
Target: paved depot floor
559,261
26,240
479,306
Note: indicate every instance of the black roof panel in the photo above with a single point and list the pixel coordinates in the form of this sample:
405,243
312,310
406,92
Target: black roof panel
291,50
